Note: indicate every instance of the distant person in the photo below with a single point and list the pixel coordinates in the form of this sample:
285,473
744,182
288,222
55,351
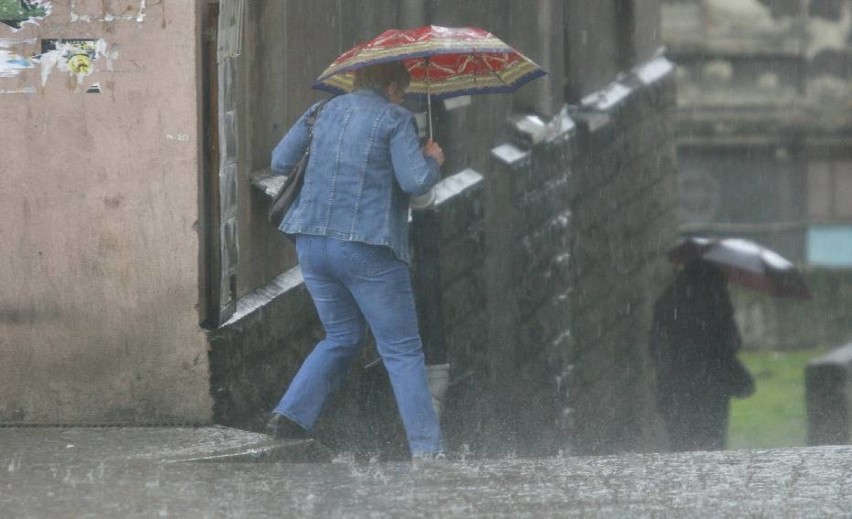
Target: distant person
694,344
350,225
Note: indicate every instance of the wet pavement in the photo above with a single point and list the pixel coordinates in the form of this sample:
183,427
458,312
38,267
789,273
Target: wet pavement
220,472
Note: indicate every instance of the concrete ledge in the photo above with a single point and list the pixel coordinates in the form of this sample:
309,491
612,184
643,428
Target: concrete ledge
266,182
260,297
455,185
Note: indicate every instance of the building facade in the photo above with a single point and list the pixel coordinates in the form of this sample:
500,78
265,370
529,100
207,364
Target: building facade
764,129
100,195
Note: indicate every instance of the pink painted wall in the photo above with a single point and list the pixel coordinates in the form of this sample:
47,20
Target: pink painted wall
99,249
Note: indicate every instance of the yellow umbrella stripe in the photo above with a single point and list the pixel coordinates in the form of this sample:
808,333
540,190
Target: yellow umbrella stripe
503,78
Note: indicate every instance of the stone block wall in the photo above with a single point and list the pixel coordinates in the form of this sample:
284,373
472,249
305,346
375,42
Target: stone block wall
579,211
527,222
624,208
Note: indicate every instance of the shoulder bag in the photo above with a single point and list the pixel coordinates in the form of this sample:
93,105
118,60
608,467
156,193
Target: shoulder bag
292,185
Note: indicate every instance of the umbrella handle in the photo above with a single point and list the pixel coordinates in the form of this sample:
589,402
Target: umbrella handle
429,112
428,99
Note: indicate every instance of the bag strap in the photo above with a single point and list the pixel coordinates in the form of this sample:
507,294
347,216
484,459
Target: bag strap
312,117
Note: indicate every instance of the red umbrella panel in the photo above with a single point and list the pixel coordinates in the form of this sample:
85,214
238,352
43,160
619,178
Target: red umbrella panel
444,62
745,263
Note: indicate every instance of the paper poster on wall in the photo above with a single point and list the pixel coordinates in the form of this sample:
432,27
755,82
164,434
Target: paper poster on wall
15,13
27,62
77,57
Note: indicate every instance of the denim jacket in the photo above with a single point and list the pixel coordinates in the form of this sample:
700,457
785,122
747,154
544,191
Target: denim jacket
365,164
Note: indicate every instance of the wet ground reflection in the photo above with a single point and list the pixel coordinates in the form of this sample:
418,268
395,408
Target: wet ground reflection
105,476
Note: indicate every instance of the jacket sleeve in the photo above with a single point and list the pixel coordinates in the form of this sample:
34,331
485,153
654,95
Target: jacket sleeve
291,148
414,172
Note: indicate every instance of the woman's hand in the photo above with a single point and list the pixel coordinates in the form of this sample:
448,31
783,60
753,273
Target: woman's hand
433,150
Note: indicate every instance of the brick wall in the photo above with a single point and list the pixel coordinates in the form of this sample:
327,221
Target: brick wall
579,213
527,222
625,216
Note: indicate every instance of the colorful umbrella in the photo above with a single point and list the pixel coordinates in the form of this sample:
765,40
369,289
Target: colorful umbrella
746,263
443,62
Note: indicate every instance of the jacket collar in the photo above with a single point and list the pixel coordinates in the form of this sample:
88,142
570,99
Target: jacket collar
371,92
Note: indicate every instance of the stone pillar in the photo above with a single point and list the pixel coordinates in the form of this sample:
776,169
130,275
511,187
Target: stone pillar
828,382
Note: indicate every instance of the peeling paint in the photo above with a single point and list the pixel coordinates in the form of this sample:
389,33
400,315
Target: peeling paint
26,60
23,90
11,64
12,57
16,13
129,14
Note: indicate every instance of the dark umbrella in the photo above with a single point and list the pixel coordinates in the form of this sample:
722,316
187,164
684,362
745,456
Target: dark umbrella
746,263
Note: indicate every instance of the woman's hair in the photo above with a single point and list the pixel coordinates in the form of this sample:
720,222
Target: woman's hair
382,75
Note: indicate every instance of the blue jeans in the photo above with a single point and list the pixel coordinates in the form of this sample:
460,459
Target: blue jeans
353,285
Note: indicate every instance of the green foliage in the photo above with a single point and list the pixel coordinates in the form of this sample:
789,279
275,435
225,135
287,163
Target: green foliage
775,416
14,10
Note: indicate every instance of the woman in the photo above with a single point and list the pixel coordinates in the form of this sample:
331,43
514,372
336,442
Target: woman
350,225
694,344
